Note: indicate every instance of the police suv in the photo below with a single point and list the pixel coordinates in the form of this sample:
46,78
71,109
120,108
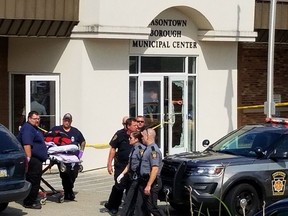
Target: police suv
237,174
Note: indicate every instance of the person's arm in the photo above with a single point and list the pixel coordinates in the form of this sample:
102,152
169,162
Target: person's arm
111,156
126,169
28,151
153,176
82,145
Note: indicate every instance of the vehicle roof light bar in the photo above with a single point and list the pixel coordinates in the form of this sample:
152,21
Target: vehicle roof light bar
277,120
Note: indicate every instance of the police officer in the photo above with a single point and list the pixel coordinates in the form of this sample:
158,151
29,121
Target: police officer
119,152
150,182
133,172
35,149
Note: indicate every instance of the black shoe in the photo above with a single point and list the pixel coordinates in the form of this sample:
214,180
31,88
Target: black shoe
113,211
69,196
33,206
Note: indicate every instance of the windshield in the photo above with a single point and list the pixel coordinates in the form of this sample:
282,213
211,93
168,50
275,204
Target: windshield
8,142
245,140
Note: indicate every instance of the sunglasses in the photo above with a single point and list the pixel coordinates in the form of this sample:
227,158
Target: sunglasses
140,121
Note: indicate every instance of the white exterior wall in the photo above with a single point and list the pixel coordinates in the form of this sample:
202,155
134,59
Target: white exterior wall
94,81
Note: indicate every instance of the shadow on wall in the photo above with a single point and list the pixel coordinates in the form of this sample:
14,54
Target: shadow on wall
35,55
108,54
228,99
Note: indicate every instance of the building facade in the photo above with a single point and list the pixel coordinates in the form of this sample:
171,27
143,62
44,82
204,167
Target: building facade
173,62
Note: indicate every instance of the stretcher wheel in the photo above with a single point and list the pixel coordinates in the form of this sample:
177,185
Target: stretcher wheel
43,201
61,199
62,167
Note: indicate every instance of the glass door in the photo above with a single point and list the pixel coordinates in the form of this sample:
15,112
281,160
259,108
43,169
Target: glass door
177,115
162,101
150,101
42,95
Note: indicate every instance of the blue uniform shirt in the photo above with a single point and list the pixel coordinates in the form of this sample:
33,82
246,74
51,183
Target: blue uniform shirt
136,156
30,135
151,157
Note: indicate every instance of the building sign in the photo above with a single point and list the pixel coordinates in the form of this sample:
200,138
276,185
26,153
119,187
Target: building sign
166,34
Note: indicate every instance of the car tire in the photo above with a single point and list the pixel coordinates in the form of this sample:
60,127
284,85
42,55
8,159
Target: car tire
238,193
3,206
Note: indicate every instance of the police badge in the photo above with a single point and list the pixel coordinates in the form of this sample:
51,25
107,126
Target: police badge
278,183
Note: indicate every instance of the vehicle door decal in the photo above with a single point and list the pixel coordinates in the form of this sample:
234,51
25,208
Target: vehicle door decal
278,183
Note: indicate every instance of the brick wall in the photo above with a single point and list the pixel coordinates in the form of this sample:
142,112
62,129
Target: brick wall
252,80
4,84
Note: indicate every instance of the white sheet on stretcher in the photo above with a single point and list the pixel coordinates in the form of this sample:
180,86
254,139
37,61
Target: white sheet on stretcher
63,153
65,158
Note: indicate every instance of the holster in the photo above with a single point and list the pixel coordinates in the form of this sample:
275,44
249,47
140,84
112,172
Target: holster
134,176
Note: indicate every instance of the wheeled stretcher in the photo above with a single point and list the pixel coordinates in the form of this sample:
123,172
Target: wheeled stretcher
59,156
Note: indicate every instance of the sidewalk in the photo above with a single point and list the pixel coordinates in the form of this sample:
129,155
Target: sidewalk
92,189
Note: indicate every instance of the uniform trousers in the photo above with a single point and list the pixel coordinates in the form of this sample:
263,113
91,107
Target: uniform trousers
131,201
115,198
69,176
149,202
33,176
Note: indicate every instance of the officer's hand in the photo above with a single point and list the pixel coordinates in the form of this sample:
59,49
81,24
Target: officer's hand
147,190
119,178
110,169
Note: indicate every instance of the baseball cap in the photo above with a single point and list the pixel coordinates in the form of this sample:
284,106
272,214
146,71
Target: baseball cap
67,116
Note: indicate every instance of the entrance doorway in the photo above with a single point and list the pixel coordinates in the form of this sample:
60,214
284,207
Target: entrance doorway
34,92
167,101
162,105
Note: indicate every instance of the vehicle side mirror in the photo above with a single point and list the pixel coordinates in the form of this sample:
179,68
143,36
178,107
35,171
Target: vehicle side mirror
279,155
259,151
205,143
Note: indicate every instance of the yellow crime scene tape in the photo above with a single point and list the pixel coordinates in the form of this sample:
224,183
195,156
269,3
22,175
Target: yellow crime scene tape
262,106
103,146
106,145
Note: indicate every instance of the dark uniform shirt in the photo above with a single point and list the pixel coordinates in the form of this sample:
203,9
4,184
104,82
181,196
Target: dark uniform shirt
74,134
151,157
120,142
33,136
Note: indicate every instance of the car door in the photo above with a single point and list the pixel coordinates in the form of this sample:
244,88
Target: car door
278,171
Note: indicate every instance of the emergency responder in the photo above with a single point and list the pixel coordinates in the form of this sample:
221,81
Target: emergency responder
32,140
133,172
119,152
71,172
141,122
150,181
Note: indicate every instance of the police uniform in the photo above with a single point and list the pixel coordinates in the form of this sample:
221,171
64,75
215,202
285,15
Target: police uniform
71,169
120,142
151,157
31,135
135,158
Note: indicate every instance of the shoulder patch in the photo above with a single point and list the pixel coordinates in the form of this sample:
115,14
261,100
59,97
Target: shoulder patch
115,137
154,154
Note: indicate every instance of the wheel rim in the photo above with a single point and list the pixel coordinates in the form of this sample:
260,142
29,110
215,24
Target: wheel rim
249,198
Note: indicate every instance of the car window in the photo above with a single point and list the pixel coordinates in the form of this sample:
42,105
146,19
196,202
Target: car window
8,140
246,140
282,146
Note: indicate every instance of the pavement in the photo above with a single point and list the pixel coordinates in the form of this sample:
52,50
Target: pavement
92,189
